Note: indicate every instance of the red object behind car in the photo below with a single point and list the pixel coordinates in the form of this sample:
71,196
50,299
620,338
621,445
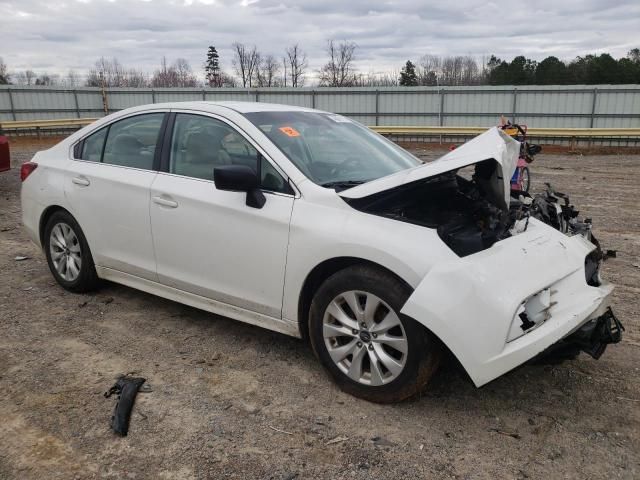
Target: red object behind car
5,158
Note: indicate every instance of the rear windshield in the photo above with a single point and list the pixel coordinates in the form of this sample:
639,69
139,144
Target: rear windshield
332,150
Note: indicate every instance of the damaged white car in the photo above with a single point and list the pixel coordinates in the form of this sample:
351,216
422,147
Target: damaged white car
312,225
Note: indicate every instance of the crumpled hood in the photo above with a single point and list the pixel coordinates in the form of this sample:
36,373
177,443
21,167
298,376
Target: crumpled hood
492,144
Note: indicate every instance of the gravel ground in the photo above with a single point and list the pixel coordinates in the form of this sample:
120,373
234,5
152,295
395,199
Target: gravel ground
235,401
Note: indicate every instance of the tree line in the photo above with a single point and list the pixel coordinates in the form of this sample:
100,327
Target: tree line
432,70
252,68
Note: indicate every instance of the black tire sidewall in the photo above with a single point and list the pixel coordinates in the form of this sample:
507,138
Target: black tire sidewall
422,355
87,279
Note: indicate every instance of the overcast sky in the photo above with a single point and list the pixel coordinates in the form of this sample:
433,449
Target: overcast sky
58,35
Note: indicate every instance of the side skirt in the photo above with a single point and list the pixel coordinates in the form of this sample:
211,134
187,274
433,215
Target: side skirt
197,301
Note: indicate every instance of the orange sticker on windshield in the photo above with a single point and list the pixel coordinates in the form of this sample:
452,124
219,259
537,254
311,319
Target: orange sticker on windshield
289,131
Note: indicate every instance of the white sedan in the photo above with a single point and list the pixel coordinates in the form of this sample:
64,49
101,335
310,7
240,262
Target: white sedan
310,224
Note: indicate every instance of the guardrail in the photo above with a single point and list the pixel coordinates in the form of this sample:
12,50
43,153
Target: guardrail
534,132
39,125
568,133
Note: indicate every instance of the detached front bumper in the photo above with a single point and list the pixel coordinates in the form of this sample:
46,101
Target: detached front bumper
474,304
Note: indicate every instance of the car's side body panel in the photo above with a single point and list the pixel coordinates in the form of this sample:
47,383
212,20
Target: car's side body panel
44,189
212,244
323,229
111,203
198,301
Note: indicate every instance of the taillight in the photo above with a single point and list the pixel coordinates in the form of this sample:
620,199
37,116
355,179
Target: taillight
26,169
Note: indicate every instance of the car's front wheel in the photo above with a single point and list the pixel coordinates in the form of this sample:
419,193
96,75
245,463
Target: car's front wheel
358,333
68,253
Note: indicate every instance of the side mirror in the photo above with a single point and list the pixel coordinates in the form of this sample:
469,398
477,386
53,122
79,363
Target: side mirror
240,178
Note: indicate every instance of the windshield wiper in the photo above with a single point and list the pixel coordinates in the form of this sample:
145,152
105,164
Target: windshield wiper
342,184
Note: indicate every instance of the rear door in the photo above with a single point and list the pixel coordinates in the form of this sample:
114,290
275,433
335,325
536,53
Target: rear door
208,241
108,185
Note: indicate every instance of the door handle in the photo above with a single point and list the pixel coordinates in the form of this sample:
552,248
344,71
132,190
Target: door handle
165,202
82,181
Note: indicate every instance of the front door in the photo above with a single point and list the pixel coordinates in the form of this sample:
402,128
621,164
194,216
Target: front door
209,242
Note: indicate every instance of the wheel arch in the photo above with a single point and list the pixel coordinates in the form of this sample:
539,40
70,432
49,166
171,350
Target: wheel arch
319,274
44,218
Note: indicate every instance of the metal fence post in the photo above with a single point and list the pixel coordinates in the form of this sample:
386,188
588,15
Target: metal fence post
313,98
75,98
593,107
13,111
204,95
441,111
514,106
377,106
257,95
153,96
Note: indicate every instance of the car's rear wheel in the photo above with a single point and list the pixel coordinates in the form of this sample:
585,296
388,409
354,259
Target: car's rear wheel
68,253
370,349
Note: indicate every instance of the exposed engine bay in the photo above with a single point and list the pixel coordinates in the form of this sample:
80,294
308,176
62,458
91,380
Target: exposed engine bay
468,214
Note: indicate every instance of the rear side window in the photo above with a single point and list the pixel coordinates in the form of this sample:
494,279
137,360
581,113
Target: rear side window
93,145
130,142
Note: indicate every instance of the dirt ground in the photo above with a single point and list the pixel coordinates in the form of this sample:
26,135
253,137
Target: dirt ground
235,401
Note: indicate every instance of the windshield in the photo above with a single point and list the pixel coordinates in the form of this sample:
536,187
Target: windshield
332,150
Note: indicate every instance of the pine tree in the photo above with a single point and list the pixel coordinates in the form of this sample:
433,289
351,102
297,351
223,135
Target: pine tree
408,77
212,68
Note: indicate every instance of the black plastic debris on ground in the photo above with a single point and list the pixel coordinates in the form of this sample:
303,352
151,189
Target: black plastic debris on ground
126,388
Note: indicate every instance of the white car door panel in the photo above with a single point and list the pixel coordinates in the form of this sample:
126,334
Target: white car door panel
108,190
111,204
210,243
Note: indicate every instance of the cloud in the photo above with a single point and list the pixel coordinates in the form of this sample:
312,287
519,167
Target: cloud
59,35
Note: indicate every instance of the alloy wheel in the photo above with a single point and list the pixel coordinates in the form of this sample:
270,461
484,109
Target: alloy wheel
65,251
365,338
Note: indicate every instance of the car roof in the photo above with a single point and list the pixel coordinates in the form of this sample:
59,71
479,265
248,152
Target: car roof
240,107
249,107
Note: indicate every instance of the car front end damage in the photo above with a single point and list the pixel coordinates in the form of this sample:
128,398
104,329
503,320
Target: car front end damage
494,320
518,288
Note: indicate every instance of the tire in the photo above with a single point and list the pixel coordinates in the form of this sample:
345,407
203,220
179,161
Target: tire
402,374
526,179
68,254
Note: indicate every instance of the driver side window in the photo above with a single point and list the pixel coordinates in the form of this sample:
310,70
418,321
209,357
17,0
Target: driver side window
199,144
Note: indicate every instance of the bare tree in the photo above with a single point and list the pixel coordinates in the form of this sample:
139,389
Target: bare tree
30,76
267,71
165,76
185,75
4,74
47,80
380,79
111,73
107,73
245,61
450,70
295,61
227,80
429,67
72,79
136,79
339,71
